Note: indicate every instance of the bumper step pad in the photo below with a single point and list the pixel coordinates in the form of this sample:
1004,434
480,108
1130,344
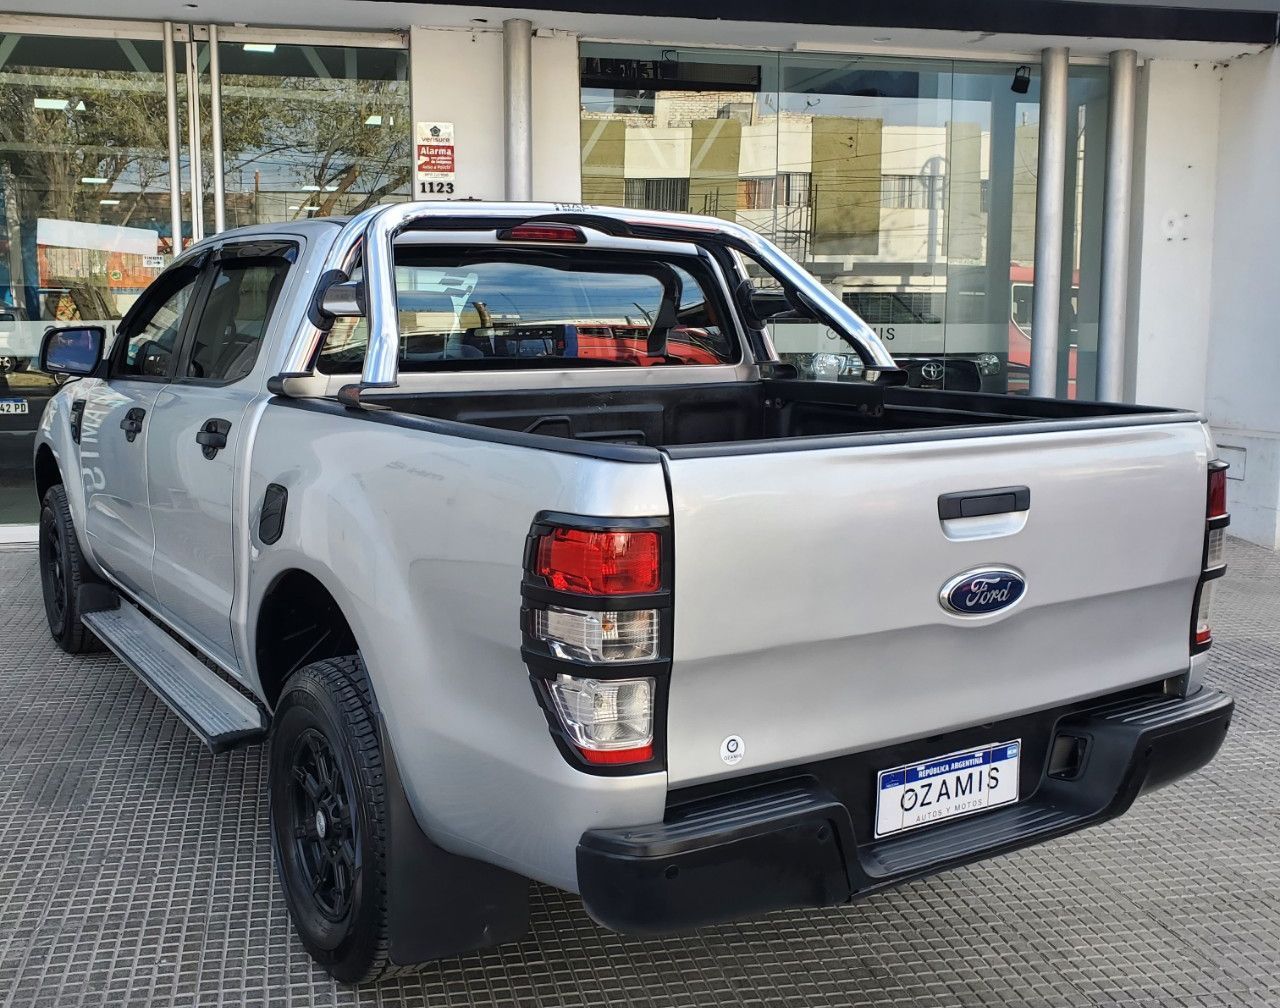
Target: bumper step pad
214,709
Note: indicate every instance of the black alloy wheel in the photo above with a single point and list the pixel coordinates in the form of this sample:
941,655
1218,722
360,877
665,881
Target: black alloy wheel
320,821
328,817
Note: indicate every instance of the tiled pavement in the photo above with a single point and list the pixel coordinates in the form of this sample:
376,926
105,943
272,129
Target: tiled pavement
135,870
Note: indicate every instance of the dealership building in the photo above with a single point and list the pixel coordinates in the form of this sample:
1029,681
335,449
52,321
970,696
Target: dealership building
1054,197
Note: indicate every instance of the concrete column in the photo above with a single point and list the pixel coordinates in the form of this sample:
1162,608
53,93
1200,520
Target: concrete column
517,79
1113,309
1050,192
1243,302
439,59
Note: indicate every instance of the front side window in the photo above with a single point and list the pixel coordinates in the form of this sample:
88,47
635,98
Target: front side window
151,338
462,309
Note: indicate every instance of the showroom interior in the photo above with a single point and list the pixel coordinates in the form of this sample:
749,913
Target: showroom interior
1100,174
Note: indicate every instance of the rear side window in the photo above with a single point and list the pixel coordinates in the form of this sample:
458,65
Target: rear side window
475,308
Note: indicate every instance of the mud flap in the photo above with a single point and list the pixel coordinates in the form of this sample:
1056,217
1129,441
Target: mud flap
441,904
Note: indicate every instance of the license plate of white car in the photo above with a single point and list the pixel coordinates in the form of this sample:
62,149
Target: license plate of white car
946,787
13,406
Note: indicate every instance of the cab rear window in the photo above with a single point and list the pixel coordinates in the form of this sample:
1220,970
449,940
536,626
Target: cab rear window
486,307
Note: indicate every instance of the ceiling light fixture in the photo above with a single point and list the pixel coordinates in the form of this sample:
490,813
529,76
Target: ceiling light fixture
56,104
262,47
109,202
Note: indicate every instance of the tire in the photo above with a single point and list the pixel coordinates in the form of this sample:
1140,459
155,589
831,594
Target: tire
63,571
328,817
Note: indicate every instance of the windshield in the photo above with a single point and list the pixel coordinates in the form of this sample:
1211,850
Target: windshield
483,307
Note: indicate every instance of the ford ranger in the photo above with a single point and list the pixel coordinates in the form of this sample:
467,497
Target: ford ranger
510,531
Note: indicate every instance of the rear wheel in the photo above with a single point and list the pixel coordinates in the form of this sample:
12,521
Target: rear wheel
63,570
328,817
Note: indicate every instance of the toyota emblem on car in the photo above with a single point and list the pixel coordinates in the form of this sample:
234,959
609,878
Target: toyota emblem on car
931,370
982,592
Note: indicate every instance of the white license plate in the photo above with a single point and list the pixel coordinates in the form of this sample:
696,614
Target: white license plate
13,406
948,787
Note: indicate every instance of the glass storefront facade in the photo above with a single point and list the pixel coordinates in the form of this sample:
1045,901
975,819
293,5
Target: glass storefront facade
85,208
908,186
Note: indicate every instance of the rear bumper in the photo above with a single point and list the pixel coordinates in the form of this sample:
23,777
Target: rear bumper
804,839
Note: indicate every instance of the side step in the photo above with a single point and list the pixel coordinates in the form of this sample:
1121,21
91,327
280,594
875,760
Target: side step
213,709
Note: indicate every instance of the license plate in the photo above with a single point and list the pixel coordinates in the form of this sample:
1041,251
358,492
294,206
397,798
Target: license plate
947,787
13,406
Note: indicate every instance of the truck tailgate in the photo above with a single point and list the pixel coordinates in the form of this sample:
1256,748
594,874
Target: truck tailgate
807,612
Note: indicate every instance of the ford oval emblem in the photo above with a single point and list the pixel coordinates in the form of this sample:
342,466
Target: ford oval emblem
982,592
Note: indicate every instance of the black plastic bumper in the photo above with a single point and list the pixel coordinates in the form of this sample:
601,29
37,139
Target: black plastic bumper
804,839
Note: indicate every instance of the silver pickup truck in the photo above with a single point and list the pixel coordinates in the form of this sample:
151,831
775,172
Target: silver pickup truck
510,530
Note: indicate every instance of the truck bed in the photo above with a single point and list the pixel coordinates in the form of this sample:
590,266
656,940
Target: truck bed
686,419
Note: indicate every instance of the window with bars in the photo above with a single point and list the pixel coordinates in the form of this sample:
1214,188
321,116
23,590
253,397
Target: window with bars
913,192
670,194
789,189
879,308
794,189
756,193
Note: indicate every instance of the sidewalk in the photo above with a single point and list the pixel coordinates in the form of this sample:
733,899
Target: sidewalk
137,871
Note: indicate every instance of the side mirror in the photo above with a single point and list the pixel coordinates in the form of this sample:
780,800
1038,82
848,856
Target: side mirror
72,350
343,300
761,306
767,304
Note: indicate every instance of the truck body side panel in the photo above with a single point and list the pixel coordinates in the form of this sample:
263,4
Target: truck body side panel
420,539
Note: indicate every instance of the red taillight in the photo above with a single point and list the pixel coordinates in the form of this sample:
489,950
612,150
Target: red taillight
544,233
600,563
614,757
1212,565
1217,507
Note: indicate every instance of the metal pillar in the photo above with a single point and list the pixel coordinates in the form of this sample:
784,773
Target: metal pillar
1004,134
171,115
193,138
1050,193
1117,211
215,130
517,77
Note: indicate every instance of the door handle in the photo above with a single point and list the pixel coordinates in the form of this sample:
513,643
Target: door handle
975,503
213,436
132,423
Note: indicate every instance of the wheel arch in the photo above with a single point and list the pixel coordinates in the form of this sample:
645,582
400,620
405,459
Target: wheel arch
47,472
298,622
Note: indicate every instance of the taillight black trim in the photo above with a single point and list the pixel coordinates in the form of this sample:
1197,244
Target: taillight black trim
1211,524
544,666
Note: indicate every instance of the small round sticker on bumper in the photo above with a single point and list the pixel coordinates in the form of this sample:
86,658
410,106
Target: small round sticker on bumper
732,749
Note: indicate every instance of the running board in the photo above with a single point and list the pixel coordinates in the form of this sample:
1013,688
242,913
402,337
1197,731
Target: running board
219,714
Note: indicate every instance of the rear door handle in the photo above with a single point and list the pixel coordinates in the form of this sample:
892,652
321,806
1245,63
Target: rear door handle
213,436
132,423
975,503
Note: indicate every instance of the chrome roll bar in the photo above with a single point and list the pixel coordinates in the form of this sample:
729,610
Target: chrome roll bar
368,238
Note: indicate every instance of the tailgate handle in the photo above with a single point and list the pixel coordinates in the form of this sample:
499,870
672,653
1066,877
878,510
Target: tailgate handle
975,503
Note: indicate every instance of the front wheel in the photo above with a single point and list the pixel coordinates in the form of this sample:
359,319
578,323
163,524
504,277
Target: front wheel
328,817
63,571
